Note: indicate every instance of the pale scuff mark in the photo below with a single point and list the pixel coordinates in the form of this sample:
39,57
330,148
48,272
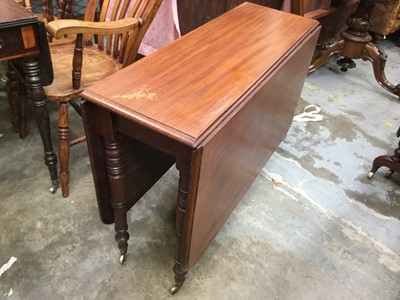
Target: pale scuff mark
311,87
392,263
276,179
8,265
143,93
334,98
388,123
294,192
10,292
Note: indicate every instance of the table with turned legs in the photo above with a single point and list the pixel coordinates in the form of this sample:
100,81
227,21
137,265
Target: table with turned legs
23,43
216,102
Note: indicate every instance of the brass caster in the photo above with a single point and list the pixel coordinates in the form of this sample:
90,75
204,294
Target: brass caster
370,175
55,185
174,289
122,259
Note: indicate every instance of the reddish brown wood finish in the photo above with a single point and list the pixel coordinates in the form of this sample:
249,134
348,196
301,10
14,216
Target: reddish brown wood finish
12,14
17,37
217,100
189,108
355,43
21,36
234,156
390,161
118,45
194,13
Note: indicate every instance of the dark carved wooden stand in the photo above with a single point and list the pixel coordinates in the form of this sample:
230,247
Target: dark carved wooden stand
390,161
356,42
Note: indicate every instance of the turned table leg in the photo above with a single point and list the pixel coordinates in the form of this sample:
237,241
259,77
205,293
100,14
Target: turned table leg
180,264
36,92
188,164
114,158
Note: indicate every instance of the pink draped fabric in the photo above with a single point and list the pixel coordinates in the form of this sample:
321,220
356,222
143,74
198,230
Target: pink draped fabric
163,30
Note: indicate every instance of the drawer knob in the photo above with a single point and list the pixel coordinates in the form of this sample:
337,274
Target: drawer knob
1,44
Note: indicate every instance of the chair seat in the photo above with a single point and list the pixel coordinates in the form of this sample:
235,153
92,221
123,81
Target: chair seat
96,66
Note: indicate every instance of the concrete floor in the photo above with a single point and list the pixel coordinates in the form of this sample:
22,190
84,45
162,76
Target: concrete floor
312,226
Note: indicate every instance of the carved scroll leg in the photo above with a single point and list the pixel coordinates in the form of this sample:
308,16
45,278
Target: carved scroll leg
378,59
375,167
36,92
180,267
63,147
114,158
329,51
12,95
392,162
383,161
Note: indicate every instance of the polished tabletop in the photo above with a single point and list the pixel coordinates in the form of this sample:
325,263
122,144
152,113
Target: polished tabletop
13,14
157,90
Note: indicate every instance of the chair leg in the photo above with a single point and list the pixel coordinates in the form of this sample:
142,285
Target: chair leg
63,147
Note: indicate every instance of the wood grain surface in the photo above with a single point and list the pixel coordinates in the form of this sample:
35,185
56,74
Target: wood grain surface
183,89
12,14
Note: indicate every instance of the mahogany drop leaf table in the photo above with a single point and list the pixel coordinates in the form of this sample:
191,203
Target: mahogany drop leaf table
217,102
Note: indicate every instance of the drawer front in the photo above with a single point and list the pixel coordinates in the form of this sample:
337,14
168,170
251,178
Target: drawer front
17,42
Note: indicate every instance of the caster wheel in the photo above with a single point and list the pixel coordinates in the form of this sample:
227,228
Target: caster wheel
345,64
174,289
55,184
122,259
370,175
53,189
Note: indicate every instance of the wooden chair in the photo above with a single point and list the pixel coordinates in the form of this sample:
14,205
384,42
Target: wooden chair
18,102
64,9
120,30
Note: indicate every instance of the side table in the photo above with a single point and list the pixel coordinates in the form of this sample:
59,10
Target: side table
24,43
